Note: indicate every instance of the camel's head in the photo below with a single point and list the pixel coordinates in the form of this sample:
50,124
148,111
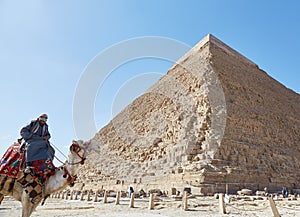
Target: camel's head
78,152
77,156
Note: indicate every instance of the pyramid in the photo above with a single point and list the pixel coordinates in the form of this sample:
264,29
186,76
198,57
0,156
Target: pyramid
214,122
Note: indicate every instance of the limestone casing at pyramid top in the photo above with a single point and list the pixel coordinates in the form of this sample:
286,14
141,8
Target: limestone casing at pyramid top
209,38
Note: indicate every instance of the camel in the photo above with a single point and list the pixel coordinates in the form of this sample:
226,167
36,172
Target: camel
64,176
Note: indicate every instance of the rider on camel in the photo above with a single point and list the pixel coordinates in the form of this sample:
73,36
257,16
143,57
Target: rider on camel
36,141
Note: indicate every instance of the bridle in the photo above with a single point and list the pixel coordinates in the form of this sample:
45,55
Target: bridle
76,149
70,179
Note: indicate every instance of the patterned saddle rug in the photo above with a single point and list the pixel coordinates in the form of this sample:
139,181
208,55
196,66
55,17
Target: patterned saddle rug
12,169
12,161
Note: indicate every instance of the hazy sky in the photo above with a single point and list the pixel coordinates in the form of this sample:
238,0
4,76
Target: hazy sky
45,47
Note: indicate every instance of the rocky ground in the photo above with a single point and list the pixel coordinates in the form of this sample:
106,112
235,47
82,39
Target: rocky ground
164,207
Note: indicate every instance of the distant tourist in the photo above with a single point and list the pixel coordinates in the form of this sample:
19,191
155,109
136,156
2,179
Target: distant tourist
285,192
130,191
266,191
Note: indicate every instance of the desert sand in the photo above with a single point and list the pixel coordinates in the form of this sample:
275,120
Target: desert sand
164,207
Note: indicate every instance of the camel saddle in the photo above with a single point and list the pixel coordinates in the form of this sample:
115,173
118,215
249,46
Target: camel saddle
12,169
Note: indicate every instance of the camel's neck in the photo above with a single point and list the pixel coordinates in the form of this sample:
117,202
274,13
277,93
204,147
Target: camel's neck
56,182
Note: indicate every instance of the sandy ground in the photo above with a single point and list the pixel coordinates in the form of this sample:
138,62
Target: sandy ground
201,206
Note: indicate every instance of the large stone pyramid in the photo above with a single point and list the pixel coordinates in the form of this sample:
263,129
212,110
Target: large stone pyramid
214,119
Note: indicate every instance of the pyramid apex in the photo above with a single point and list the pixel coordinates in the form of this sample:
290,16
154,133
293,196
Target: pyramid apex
209,38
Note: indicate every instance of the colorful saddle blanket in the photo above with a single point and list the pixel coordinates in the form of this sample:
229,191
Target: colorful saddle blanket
12,167
12,161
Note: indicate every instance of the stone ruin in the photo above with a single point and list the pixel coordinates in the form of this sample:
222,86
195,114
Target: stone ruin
214,119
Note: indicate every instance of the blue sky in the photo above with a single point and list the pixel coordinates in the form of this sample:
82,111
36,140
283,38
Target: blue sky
46,45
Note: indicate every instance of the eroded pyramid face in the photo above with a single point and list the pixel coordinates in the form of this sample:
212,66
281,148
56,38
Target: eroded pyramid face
216,115
179,119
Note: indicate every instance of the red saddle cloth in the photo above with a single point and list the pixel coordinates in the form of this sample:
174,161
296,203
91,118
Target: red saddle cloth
12,161
12,165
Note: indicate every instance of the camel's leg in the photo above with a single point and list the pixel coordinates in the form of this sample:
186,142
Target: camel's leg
1,198
27,206
33,206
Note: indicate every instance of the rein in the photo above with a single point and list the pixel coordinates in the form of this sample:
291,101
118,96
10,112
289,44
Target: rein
59,152
76,149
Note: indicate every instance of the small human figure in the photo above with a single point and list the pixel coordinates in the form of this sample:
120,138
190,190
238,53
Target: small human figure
284,192
130,191
266,191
